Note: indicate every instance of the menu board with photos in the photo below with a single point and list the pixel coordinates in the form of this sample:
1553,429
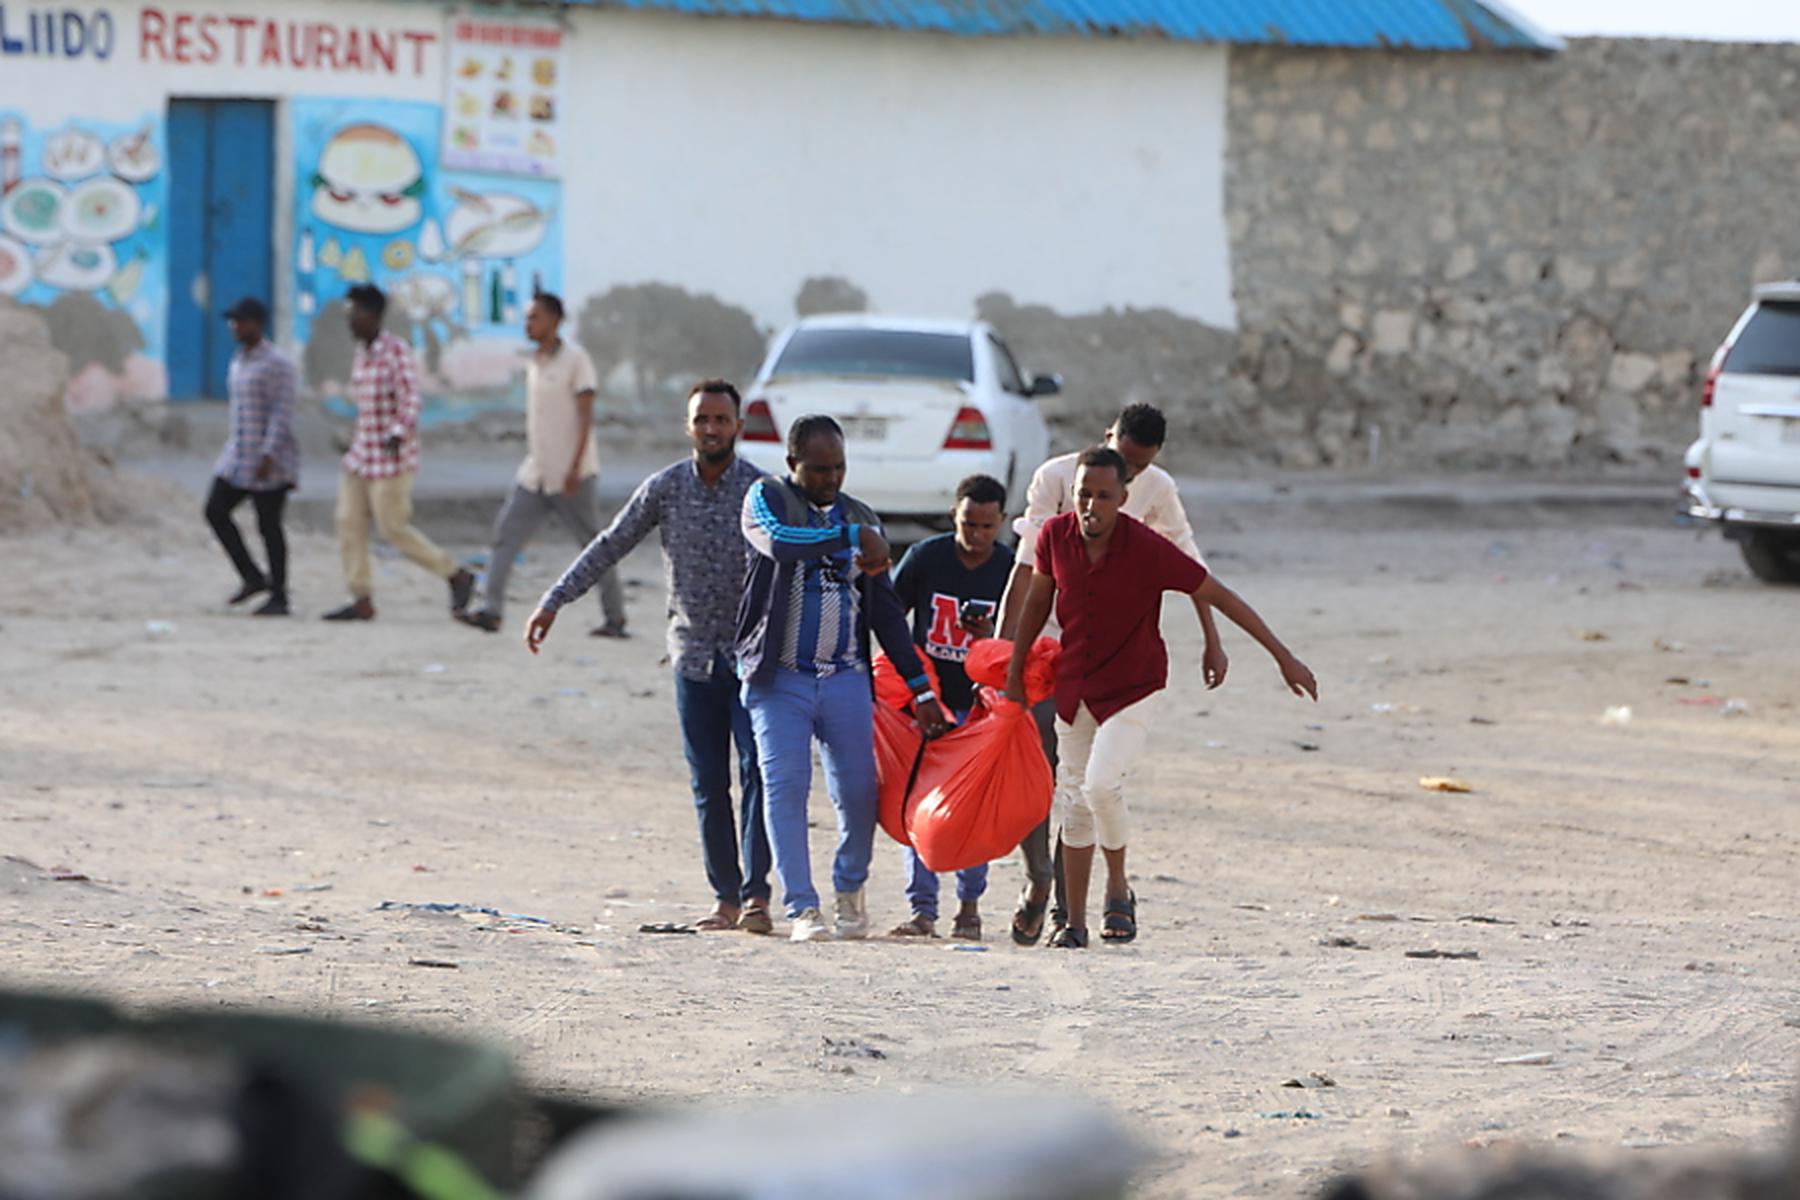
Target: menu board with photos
504,105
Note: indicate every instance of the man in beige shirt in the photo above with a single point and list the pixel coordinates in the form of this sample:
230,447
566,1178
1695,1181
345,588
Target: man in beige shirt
1137,434
560,474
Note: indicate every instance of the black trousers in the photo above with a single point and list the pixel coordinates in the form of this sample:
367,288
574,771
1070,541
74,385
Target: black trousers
221,502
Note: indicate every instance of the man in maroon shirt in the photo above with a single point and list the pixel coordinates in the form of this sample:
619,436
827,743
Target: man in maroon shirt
1106,573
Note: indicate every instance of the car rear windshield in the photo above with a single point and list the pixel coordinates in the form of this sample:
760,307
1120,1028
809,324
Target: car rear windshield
1770,342
896,352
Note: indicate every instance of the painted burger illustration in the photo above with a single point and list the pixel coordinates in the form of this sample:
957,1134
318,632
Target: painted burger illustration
369,180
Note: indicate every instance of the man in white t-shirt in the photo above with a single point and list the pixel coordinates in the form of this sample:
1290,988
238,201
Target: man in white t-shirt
560,474
1137,434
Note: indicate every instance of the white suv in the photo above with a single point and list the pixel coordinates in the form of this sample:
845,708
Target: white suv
923,404
1744,472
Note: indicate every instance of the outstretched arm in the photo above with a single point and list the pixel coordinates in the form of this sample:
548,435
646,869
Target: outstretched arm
1169,518
1214,662
1036,611
1293,672
631,526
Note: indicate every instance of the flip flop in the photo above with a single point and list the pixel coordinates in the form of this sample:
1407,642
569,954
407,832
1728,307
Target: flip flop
1028,919
667,927
715,923
756,919
1069,937
1120,924
966,928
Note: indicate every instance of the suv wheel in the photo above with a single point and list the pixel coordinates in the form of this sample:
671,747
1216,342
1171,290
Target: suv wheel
1772,557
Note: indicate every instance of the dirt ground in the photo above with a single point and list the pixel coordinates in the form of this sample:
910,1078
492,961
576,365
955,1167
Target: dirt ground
1631,889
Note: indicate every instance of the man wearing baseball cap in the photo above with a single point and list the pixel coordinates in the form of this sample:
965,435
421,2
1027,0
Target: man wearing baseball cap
261,459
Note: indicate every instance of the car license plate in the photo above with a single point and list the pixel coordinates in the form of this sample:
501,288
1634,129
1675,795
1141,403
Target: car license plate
864,429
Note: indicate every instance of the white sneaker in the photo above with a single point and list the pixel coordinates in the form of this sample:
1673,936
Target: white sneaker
852,916
810,926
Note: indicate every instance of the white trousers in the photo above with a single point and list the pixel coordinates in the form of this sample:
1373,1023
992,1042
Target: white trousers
1094,759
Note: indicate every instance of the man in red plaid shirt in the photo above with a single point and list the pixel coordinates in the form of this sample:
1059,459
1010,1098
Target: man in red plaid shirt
377,479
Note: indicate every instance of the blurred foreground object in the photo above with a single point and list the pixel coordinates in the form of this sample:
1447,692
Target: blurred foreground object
946,1146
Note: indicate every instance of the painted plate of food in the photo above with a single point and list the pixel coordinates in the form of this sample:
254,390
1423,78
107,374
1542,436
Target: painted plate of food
134,157
33,211
77,268
101,210
15,266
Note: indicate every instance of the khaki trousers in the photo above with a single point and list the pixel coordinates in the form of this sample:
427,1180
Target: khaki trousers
388,504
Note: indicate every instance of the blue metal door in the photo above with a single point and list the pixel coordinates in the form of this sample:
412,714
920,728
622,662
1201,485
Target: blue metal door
221,213
189,328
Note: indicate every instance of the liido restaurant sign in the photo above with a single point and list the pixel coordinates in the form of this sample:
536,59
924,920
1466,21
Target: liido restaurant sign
160,35
503,97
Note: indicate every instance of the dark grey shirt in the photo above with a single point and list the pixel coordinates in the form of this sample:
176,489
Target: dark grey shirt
704,553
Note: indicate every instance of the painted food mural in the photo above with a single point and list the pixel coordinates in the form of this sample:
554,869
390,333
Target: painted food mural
460,253
78,214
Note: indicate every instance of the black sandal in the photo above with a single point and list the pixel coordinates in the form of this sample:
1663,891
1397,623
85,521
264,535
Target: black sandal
1028,919
1120,924
1069,937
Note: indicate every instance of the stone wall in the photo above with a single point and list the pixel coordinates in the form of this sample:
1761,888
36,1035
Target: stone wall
1499,260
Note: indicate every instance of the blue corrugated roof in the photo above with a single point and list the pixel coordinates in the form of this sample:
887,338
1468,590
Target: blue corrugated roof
1370,24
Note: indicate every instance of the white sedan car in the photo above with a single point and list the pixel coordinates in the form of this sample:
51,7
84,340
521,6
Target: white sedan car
923,405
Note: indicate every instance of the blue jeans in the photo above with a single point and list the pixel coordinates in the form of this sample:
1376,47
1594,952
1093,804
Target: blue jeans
922,884
787,712
711,716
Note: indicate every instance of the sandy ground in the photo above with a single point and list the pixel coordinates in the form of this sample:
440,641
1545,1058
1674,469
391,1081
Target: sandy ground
1631,890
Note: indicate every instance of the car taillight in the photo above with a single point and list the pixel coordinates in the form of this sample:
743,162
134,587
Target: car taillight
1693,472
1711,385
969,431
759,423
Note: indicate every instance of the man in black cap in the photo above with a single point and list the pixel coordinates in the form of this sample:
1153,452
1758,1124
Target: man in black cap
261,459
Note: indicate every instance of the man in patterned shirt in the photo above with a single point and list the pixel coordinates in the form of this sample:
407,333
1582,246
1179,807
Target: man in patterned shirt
261,459
817,587
696,503
377,479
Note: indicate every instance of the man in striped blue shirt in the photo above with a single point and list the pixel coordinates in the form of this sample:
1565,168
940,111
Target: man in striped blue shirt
816,589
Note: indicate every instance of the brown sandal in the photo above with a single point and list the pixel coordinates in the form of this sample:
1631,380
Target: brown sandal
756,918
716,922
1028,919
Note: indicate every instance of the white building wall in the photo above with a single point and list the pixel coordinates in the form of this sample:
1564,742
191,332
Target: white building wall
739,157
735,157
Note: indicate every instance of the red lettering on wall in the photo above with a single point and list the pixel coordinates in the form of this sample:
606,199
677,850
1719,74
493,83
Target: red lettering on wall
202,38
152,26
325,45
418,41
381,50
239,26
